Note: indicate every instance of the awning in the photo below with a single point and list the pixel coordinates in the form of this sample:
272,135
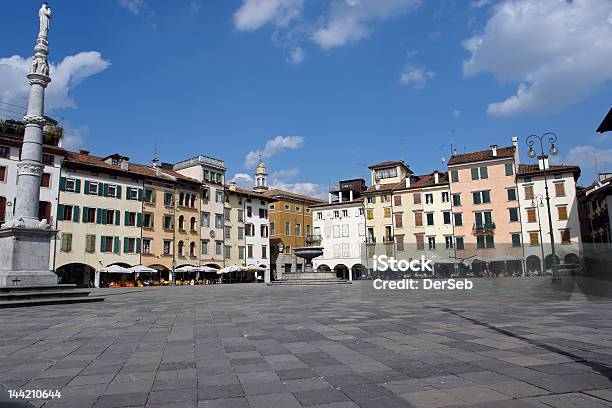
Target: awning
142,269
229,269
186,268
115,269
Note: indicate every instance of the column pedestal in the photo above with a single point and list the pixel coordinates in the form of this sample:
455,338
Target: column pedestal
24,257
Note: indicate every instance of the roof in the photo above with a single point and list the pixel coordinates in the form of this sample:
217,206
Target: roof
389,164
249,193
278,193
337,203
482,155
606,124
18,142
416,182
91,161
534,169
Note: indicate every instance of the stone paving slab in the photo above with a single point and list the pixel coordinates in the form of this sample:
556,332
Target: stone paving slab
507,343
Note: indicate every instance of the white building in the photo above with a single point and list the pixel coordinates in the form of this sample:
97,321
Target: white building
340,226
563,208
53,157
211,172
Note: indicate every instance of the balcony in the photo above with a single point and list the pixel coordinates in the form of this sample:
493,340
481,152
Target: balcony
370,240
483,228
388,239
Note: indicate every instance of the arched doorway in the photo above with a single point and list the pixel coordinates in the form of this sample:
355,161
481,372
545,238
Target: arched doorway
323,268
571,259
164,272
533,264
359,271
341,271
548,261
78,274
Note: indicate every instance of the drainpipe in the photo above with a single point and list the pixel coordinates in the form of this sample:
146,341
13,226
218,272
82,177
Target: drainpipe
56,221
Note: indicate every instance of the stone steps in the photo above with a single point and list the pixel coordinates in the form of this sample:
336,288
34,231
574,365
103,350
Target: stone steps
309,282
22,296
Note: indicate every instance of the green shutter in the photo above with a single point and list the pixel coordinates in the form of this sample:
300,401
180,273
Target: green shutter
98,216
103,244
60,212
104,216
137,245
139,220
85,214
75,213
100,190
126,218
118,191
140,194
117,217
105,190
77,186
153,196
127,193
125,245
86,191
62,185
116,244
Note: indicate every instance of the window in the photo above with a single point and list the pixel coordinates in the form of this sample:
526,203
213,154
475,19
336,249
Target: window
481,197
113,191
534,238
219,196
345,213
70,185
445,198
227,233
227,214
336,214
387,212
264,251
454,176
480,173
168,222
509,169
218,247
298,209
458,219
66,245
513,213
5,152
370,214
272,229
192,250
446,215
109,216
167,247
192,224
45,180
448,242
249,251
240,232
565,236
430,219
130,219
90,243
147,220
66,214
399,243
485,241
319,215
457,199
287,249
204,246
386,173
146,246
48,159
2,173
431,243
287,207
560,189
205,193
531,215
240,215
228,252
528,192
428,198
416,198
397,200
511,194
399,220
263,213
287,228
132,193
418,219
361,211
371,200
483,219
129,245
89,215
108,244
516,239
240,252
148,196
420,242
168,200
562,211
205,221
218,221
459,243
345,230
336,231
298,229
180,248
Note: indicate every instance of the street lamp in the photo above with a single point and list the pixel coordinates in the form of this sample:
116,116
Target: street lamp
554,150
537,202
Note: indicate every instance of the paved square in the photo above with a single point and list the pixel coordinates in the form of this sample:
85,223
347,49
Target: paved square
506,343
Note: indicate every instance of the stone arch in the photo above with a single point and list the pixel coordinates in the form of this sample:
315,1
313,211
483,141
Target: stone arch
80,274
341,270
533,263
359,271
323,268
548,261
571,258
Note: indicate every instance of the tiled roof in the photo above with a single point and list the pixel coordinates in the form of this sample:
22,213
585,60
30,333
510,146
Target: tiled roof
336,203
533,169
389,164
250,193
502,152
275,192
416,182
18,142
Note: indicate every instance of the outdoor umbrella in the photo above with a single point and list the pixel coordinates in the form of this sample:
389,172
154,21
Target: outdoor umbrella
186,268
115,269
205,268
142,269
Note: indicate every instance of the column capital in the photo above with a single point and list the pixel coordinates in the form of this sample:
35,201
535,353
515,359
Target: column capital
30,168
36,120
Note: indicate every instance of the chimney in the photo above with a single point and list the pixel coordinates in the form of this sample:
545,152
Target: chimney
494,150
514,141
543,162
84,152
156,166
232,186
377,186
407,181
124,163
436,176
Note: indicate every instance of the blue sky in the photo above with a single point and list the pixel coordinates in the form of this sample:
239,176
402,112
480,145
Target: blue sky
328,87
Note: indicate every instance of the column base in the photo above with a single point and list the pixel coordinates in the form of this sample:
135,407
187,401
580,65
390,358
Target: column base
24,257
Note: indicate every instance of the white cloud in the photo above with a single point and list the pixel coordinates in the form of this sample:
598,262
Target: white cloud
254,14
587,156
74,137
244,180
416,76
74,69
297,55
283,180
272,147
349,20
133,6
557,51
456,113
480,3
285,174
194,7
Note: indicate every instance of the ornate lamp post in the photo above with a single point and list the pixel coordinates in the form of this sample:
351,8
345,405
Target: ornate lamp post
554,150
537,202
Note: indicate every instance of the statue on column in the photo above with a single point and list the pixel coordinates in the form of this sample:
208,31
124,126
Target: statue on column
45,19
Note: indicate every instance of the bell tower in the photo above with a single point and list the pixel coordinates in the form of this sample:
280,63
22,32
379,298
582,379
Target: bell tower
261,177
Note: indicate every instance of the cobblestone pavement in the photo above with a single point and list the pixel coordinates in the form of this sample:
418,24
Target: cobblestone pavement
506,343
